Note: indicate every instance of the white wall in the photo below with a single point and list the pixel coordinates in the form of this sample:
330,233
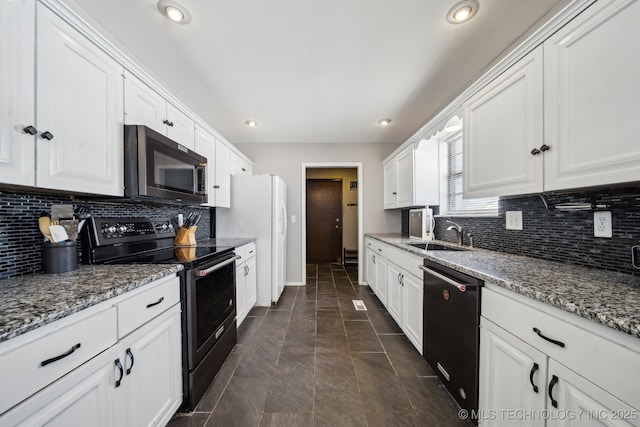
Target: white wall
286,161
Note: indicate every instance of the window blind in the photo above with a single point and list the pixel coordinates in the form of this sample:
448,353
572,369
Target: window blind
456,205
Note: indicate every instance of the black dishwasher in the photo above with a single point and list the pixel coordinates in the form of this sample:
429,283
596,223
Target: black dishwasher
451,330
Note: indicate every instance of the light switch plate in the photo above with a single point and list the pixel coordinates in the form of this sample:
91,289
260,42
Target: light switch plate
602,225
514,220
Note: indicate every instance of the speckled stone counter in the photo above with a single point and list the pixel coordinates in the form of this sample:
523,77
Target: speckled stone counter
610,298
29,302
227,241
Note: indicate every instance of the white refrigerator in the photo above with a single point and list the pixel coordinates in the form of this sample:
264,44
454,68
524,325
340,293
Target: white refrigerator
259,209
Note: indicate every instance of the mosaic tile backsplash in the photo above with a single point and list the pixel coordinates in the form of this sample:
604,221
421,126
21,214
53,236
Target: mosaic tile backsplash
556,235
21,240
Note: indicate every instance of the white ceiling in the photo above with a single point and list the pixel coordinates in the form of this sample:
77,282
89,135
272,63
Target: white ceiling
321,71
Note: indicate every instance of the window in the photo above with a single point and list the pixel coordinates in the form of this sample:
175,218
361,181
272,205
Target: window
454,204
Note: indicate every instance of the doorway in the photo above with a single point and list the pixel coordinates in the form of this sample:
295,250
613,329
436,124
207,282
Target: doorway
352,213
324,220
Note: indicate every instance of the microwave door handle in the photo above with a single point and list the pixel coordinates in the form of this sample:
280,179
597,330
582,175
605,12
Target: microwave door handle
203,273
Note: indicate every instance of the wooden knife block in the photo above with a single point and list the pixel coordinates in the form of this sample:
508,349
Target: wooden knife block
186,236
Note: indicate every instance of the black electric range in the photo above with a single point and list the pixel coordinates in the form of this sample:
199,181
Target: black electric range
207,288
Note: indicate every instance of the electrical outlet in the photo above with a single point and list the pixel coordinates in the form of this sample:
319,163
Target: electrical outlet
602,224
514,220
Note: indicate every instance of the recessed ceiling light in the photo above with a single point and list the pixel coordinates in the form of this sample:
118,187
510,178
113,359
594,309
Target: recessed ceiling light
174,12
251,123
384,122
463,11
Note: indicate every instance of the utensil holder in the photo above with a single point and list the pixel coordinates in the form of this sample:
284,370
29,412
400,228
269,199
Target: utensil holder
59,257
186,236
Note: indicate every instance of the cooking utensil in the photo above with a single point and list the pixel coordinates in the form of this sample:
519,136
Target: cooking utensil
43,223
58,233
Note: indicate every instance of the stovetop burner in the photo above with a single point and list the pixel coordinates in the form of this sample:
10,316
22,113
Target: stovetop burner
142,241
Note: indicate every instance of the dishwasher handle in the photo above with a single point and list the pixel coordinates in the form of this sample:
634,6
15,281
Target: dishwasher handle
462,287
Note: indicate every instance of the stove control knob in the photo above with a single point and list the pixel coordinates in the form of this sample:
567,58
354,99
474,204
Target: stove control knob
164,226
122,229
170,226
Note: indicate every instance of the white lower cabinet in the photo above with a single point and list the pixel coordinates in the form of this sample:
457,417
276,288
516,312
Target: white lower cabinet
246,281
135,381
540,366
395,278
512,376
152,359
83,397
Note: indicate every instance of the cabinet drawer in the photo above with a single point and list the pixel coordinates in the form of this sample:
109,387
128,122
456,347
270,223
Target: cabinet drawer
144,306
377,247
245,252
60,346
406,261
601,357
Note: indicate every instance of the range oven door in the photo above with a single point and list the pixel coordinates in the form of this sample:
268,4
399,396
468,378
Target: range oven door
210,300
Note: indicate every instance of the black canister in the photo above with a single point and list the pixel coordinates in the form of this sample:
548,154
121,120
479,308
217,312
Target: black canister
59,257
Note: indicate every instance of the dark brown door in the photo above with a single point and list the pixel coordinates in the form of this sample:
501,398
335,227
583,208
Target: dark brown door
324,220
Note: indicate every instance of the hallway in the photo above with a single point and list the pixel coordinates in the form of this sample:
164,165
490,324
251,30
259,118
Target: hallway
314,360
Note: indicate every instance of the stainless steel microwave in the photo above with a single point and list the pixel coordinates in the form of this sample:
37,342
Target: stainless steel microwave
155,167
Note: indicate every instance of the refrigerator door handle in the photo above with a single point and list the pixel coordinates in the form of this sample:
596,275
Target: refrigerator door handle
284,220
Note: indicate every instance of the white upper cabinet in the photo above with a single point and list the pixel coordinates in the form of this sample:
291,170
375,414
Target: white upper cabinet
503,133
79,108
591,69
17,94
223,176
411,177
180,128
238,165
564,116
144,106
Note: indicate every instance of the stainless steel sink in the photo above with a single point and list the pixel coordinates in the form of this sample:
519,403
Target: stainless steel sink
436,247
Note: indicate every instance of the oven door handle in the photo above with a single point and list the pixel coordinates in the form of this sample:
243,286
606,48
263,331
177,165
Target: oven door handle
462,287
203,273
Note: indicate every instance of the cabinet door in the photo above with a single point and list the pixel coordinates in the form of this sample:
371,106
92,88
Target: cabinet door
370,265
389,185
381,279
412,310
205,145
404,178
241,293
394,293
152,385
80,104
502,125
588,403
85,396
17,94
251,283
512,376
181,128
223,176
591,98
143,105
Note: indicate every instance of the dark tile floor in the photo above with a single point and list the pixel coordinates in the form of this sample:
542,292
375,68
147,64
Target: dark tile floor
314,360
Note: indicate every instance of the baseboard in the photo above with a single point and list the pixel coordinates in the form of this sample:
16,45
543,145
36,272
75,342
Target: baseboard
294,284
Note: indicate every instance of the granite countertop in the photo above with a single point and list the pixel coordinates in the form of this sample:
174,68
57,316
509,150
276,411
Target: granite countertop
227,241
29,302
610,298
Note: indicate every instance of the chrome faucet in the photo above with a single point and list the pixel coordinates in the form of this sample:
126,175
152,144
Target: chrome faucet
458,230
